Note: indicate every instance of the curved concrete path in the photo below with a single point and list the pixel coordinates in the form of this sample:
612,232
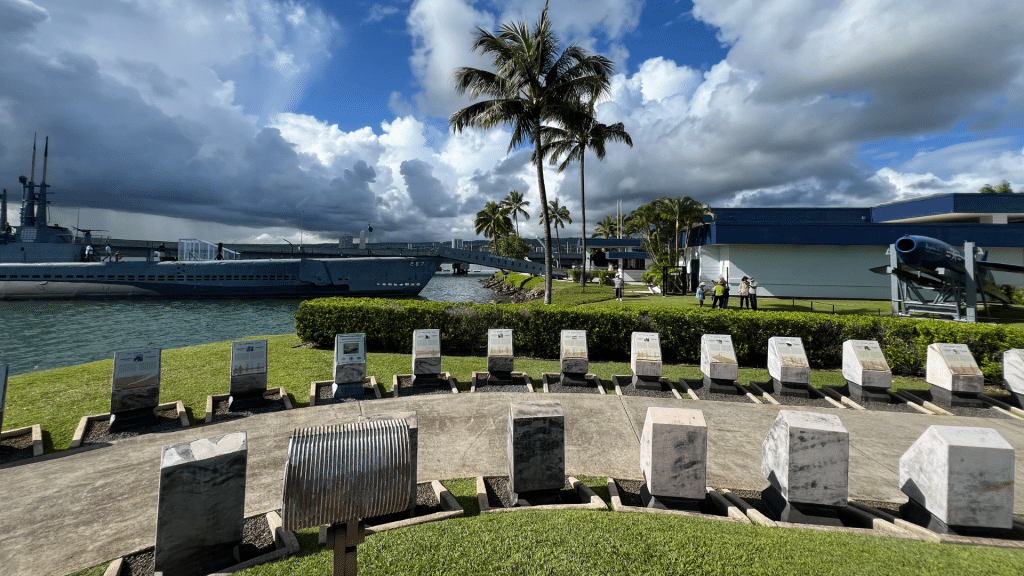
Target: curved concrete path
78,508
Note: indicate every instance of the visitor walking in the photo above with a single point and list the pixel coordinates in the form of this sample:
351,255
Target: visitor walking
753,293
618,283
109,252
718,293
700,295
744,293
725,294
88,253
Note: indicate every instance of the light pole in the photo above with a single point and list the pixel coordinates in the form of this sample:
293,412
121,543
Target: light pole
290,244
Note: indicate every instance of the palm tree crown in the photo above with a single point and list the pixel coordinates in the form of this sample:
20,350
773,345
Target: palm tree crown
533,84
559,218
493,222
516,205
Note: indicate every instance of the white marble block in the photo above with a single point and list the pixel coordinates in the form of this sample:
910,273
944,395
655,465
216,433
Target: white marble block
573,354
350,358
952,367
1013,372
674,453
248,367
645,354
806,457
136,381
201,507
718,358
787,361
536,446
865,365
426,353
499,350
962,475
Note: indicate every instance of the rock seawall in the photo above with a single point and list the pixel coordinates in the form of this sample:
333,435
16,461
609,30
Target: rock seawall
508,293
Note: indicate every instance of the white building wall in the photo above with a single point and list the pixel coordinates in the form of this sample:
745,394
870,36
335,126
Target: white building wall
800,271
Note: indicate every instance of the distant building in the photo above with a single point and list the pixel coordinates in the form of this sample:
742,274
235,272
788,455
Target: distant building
826,252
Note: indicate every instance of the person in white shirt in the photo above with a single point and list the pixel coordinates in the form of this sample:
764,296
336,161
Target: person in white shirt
753,293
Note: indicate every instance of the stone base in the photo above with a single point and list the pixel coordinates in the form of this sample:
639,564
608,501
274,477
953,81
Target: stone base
535,498
782,511
798,390
348,390
648,382
247,401
946,398
860,394
428,381
573,379
497,379
719,386
1019,397
664,503
918,514
129,419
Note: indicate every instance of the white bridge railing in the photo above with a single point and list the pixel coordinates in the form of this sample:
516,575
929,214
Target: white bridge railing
201,250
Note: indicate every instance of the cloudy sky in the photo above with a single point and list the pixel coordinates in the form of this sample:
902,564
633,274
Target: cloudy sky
243,120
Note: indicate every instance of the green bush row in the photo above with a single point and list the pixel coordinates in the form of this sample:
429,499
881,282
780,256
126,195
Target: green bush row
604,277
389,326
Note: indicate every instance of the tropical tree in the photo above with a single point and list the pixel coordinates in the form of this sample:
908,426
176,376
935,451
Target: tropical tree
516,205
607,228
559,218
682,213
1003,188
573,142
493,222
533,85
511,246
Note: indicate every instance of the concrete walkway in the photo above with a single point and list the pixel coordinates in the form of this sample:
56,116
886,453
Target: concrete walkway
78,508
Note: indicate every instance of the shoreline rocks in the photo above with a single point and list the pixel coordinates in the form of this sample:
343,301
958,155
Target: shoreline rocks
507,293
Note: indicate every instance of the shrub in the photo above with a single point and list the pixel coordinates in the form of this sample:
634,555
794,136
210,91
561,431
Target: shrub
388,325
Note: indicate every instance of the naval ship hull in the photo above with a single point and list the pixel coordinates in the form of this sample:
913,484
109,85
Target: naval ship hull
305,277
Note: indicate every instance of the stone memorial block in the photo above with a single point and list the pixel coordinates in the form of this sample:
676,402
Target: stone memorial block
645,359
426,356
500,361
1013,374
573,357
3,392
536,447
806,458
962,476
201,507
674,453
788,367
411,420
135,387
865,370
954,376
349,365
718,363
248,369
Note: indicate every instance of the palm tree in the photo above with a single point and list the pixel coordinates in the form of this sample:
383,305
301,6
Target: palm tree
574,143
493,222
559,218
516,204
533,85
607,228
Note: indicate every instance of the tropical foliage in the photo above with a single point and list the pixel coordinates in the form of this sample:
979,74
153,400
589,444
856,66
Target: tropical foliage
533,86
559,218
511,246
493,222
515,204
1003,188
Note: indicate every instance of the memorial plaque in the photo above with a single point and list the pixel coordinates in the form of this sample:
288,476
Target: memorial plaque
952,367
3,392
961,476
806,458
136,381
1013,374
500,361
350,358
865,370
674,452
248,368
426,355
536,447
573,356
787,365
718,358
201,506
645,360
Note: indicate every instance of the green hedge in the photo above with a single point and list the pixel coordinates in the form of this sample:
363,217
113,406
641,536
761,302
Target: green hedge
389,325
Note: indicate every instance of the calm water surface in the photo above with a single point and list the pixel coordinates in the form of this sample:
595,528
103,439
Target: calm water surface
49,334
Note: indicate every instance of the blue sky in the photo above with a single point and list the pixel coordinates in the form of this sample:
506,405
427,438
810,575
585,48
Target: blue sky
246,120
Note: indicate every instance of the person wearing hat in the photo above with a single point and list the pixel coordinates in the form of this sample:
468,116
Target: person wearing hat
619,284
753,293
744,293
701,292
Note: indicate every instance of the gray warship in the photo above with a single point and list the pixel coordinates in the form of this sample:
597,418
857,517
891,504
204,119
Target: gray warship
39,260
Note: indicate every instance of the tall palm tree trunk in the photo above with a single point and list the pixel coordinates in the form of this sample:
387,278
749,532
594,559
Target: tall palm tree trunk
558,243
539,161
583,240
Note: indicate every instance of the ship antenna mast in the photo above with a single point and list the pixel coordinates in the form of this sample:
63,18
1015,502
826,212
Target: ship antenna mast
43,206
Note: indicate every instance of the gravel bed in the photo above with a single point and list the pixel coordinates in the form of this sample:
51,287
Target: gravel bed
629,494
426,504
630,389
987,412
325,396
819,402
555,387
891,406
257,540
98,431
518,385
497,492
703,394
16,448
271,403
405,388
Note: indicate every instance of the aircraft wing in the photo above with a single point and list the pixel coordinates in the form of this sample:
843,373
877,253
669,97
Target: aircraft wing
1002,267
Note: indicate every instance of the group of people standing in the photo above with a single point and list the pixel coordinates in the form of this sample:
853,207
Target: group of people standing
720,293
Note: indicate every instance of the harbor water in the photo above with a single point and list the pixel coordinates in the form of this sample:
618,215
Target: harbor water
38,335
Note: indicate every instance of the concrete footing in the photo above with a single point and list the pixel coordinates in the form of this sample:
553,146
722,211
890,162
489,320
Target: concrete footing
79,435
36,430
